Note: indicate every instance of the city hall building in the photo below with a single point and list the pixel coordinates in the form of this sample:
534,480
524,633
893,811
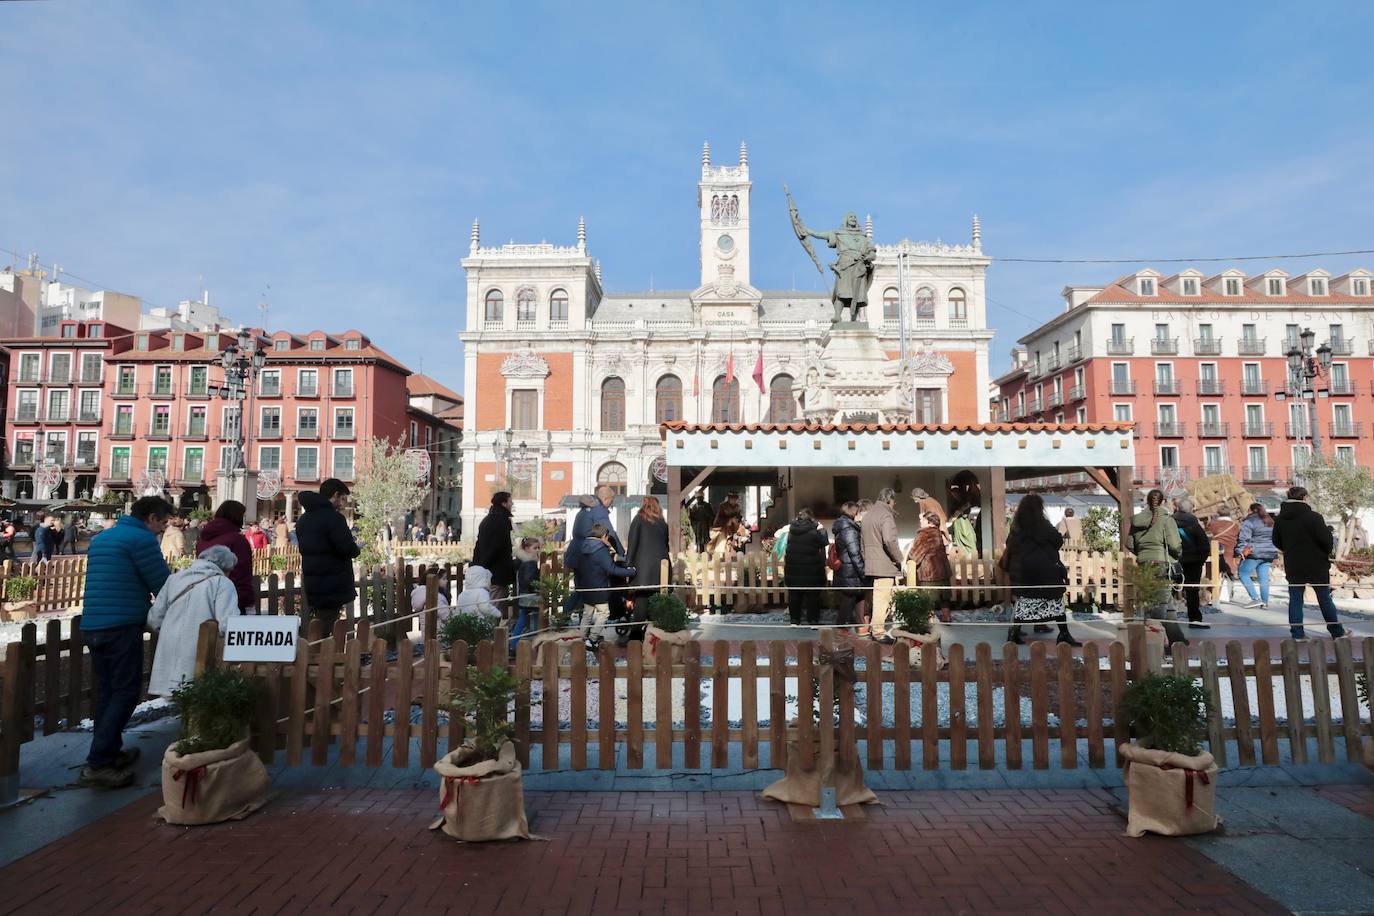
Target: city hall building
567,383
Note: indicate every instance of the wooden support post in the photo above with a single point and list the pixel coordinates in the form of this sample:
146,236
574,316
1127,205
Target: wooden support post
1125,488
997,509
674,510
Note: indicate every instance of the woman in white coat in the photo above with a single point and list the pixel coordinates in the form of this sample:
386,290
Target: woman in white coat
198,593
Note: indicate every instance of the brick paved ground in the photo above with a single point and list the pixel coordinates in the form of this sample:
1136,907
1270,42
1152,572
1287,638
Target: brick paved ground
1359,799
367,851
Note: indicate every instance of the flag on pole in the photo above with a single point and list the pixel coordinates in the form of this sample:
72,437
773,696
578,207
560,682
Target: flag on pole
696,375
758,371
730,368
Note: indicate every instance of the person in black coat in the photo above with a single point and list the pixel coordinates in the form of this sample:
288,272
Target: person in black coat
327,552
803,567
494,550
849,578
1038,577
1197,547
1301,533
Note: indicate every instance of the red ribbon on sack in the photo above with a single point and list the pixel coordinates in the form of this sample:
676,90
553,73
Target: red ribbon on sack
653,642
192,780
450,788
1188,783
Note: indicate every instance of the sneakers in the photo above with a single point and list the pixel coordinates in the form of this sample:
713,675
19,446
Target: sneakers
127,758
1199,625
105,778
1253,605
593,644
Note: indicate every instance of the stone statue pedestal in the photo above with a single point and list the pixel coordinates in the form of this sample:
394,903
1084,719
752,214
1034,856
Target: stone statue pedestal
857,376
241,486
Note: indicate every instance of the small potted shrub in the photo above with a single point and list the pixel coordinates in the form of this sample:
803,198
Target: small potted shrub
1149,587
913,609
553,589
469,628
19,592
1171,780
480,790
210,774
277,563
668,619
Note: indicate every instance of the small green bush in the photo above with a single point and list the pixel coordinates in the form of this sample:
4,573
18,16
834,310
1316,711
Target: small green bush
553,590
216,709
484,702
201,515
668,613
1167,712
468,628
20,588
1149,585
277,562
177,564
913,607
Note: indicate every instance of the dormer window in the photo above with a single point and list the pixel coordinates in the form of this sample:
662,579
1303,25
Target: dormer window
1274,286
317,344
141,341
1316,286
178,342
281,346
1359,286
353,343
1189,286
1146,286
1231,286
95,330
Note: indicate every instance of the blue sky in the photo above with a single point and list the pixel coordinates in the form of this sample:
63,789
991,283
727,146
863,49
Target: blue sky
337,152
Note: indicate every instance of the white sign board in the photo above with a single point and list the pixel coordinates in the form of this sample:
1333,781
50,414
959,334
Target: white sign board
261,638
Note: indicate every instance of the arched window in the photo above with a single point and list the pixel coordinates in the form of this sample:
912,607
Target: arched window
782,403
958,305
925,304
725,400
558,305
495,305
613,475
613,405
524,304
891,304
668,399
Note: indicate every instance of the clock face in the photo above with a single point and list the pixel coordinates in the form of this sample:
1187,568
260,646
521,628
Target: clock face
725,243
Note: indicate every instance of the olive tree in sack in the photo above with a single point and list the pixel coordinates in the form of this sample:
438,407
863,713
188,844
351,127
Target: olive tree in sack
1171,780
210,774
481,796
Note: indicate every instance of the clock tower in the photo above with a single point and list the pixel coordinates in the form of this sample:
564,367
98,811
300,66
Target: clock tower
723,197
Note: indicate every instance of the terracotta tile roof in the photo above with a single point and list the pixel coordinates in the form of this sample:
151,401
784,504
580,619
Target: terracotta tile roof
679,426
1122,290
420,385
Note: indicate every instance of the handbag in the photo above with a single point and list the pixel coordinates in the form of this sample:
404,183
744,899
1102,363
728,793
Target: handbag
1175,572
832,557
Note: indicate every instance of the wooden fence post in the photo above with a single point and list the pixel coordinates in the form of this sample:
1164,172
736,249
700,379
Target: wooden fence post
17,685
207,647
431,607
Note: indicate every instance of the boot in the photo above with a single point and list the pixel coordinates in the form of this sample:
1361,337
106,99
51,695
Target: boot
1065,636
1015,636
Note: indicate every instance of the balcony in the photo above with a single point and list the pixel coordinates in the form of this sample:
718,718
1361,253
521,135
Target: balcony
1166,386
307,432
953,323
1212,470
59,378
1169,430
1033,406
558,324
343,391
198,391
1297,430
1345,430
1214,430
123,430
1161,473
27,378
268,432
22,460
1120,346
1052,364
26,415
1034,369
1054,399
1250,346
96,377
1077,393
1206,346
125,391
1259,430
160,432
117,476
307,473
1341,386
1019,411
343,432
1164,346
91,417
162,391
196,432
1213,387
1075,352
192,477
85,459
1254,386
1123,386
59,415
308,391
59,458
269,391
1341,346
1257,474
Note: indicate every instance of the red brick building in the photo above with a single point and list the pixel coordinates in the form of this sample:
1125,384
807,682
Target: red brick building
1198,362
109,406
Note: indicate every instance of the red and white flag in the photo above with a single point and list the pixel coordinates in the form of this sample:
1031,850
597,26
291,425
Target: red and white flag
730,368
758,372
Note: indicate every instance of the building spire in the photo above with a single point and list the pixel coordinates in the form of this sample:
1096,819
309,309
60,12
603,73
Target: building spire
743,153
476,236
581,233
868,226
706,154
598,271
977,234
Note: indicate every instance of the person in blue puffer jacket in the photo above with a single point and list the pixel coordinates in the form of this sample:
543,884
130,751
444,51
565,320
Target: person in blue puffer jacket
593,568
1257,552
124,570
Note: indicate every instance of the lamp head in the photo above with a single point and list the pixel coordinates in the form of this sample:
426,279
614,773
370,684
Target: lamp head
1294,361
244,339
1324,356
1308,337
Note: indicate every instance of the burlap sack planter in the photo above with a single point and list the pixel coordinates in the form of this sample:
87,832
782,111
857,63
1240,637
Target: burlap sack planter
1368,755
918,641
802,781
1169,794
481,800
212,786
656,640
1156,640
554,642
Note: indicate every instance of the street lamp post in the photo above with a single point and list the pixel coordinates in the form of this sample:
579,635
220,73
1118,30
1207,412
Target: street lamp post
1304,368
242,362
